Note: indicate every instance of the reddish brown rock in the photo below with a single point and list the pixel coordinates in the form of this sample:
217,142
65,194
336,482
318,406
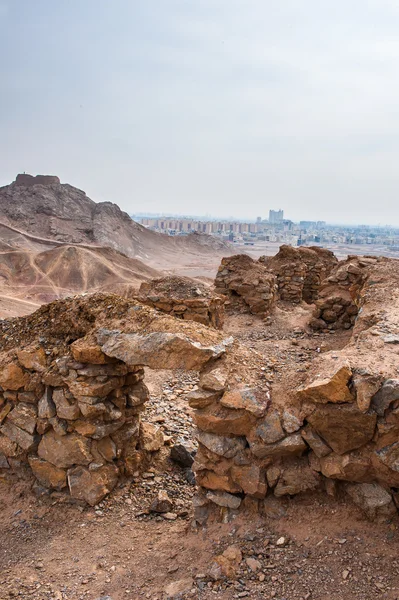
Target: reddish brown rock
151,437
65,451
47,474
333,388
12,377
92,486
343,427
33,359
220,420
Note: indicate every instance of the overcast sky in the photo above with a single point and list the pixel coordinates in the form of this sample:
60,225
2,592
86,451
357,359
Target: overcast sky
226,107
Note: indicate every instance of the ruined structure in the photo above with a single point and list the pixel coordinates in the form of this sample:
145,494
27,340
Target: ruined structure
300,271
72,389
339,297
247,284
184,298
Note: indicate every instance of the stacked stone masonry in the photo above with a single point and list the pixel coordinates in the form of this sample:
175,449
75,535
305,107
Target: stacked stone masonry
247,284
340,297
300,271
73,412
184,298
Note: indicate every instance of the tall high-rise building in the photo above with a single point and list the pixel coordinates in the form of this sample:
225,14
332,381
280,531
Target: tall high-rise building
276,217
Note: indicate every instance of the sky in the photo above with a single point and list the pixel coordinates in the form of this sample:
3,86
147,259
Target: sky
221,107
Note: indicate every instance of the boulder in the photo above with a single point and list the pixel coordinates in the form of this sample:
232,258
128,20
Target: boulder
343,427
151,437
202,398
354,466
221,445
24,439
12,377
24,416
268,430
65,451
183,454
162,503
246,399
333,388
87,350
158,350
217,481
34,359
214,379
220,420
227,564
251,479
65,409
46,407
366,386
291,445
224,499
386,395
295,477
92,485
317,444
47,474
373,500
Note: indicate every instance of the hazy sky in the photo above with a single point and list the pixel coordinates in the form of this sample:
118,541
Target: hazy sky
228,107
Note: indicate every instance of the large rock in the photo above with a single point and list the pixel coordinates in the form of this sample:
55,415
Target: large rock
47,474
296,477
214,379
220,420
224,499
217,481
24,439
151,437
92,485
33,359
157,350
87,350
386,395
333,388
251,479
317,444
46,407
366,386
343,427
372,499
65,409
269,429
248,399
202,398
65,451
12,377
354,466
291,445
24,416
222,445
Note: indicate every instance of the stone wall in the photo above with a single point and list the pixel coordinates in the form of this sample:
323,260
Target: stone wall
184,298
300,271
71,407
25,180
340,294
247,284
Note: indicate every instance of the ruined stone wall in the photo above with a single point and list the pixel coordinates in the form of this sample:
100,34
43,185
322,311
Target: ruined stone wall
340,294
247,284
184,298
73,413
23,179
300,271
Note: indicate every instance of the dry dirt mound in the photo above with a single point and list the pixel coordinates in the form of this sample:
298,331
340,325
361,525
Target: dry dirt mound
37,278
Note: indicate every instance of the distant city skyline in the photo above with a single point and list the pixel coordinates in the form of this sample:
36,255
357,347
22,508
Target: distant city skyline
222,106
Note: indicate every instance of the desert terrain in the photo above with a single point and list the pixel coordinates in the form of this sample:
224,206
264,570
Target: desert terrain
163,437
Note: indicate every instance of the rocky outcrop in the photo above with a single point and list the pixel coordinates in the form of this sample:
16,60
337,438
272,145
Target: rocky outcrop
184,298
247,284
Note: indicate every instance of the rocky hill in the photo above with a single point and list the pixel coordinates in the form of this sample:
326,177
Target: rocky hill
45,208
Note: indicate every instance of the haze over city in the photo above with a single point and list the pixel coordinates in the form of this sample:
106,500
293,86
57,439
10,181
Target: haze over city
220,107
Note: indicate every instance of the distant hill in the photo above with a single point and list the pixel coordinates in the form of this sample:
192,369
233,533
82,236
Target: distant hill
45,208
